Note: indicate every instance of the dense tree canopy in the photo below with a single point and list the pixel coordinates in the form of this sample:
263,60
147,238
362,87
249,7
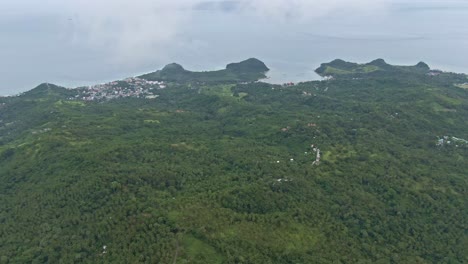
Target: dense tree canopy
224,173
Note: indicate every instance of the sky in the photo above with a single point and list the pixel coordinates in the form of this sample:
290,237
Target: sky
81,42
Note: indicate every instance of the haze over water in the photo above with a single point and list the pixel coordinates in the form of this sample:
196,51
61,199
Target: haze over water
49,47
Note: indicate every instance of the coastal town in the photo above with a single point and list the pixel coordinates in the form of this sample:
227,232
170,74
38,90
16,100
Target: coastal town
130,87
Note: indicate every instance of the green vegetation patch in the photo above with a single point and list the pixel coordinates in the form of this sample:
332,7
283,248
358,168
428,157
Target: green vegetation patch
194,250
152,121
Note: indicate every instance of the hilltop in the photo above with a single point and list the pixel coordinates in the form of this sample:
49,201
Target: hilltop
369,169
48,90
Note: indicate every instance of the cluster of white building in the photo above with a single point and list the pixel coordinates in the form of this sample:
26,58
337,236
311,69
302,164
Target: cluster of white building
40,131
139,81
130,87
434,72
446,140
317,156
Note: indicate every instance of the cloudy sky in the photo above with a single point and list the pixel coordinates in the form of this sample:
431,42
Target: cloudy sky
78,42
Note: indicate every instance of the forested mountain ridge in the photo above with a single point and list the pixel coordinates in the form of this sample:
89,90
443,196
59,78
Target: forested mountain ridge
245,71
368,169
340,67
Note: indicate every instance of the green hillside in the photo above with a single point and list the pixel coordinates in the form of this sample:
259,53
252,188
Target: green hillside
369,170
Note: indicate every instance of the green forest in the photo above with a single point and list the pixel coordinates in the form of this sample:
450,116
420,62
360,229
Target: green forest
366,168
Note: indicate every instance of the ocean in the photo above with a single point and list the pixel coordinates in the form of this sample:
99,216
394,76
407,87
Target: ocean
48,48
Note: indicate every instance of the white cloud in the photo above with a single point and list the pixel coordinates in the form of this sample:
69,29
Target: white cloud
136,31
131,31
306,10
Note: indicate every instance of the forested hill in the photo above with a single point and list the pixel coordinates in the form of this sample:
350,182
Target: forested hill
340,67
245,71
353,169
